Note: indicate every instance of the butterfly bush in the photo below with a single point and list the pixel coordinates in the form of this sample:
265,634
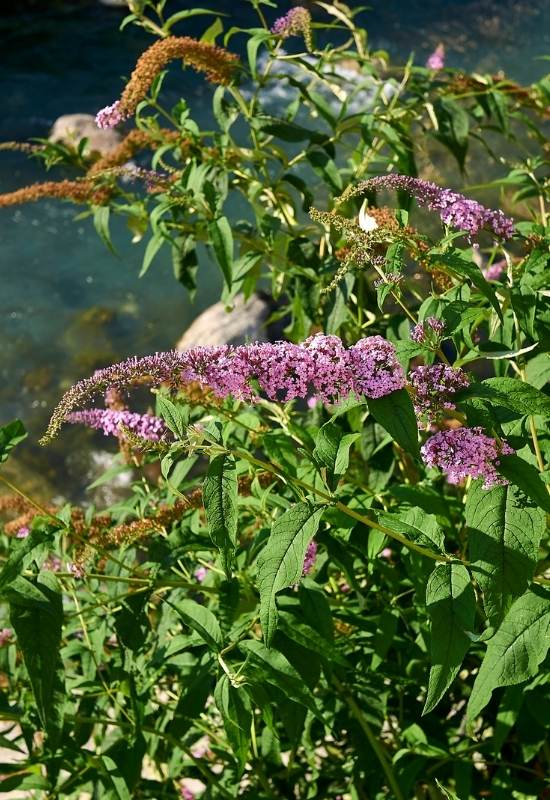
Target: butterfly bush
436,60
310,558
320,366
428,332
295,22
466,453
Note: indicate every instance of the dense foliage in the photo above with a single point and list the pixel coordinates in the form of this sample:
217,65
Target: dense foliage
328,579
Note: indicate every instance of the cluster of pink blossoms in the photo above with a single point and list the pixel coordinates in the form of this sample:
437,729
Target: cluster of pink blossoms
495,271
105,419
295,22
110,116
432,389
436,60
428,332
310,558
320,366
454,209
466,452
5,636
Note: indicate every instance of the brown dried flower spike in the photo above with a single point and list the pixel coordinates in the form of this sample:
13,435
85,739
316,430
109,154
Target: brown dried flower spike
217,63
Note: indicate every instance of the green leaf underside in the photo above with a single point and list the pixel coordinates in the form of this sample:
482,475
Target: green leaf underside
505,531
281,561
516,650
451,604
201,620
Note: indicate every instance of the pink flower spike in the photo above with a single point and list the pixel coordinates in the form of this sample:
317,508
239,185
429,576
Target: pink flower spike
109,117
436,60
310,558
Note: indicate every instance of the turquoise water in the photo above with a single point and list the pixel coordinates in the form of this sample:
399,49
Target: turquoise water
68,304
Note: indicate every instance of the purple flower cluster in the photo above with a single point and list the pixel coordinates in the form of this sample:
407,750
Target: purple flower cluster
428,332
391,278
453,208
320,366
105,419
433,387
466,452
310,558
110,116
436,60
495,271
295,22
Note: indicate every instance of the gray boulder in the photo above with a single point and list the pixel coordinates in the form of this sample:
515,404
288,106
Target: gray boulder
71,128
245,322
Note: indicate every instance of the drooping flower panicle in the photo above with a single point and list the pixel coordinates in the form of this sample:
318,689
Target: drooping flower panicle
433,387
454,209
295,22
282,371
146,426
495,271
466,452
217,63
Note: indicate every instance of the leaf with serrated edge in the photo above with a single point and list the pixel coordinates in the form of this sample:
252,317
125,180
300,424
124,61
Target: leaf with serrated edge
505,530
282,559
451,604
516,650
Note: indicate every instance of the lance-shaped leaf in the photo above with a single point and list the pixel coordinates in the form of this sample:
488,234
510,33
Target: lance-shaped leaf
221,237
220,495
234,706
516,650
10,436
201,620
332,447
395,413
451,604
282,559
37,622
505,531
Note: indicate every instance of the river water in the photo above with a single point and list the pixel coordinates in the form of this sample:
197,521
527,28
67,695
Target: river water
68,304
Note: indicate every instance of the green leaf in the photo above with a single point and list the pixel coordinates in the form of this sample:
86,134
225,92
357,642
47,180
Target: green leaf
271,666
115,778
453,128
153,246
201,620
308,637
10,436
176,417
332,447
518,396
234,706
37,624
281,561
451,604
101,225
395,413
418,526
526,477
18,557
516,650
220,494
505,530
221,238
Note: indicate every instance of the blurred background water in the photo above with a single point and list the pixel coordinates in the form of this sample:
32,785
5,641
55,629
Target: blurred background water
68,304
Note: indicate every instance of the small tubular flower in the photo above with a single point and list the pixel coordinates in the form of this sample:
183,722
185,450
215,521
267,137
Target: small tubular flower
466,452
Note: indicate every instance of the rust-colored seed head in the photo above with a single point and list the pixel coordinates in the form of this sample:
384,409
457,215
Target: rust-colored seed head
217,64
77,191
135,141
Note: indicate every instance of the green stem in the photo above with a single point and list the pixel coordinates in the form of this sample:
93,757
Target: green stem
379,750
266,465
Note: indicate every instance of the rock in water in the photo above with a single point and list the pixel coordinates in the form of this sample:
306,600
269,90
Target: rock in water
245,322
71,128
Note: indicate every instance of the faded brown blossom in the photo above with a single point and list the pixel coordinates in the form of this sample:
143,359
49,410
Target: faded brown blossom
133,143
79,191
217,64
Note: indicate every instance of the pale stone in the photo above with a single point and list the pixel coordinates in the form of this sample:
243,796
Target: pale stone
244,322
71,128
